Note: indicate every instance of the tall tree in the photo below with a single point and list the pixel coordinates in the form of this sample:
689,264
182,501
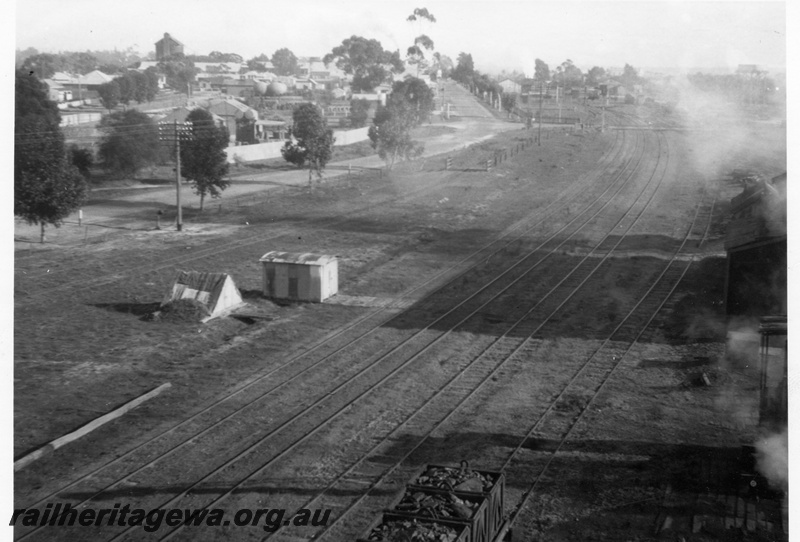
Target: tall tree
630,76
359,113
109,94
81,63
284,61
313,145
203,157
568,75
509,102
422,43
366,60
43,65
129,142
464,70
179,70
410,102
444,63
595,75
541,71
47,187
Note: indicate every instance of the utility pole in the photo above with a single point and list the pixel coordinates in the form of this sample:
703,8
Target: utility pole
541,99
174,134
558,102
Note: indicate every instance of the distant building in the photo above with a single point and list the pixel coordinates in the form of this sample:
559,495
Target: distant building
168,46
510,87
232,111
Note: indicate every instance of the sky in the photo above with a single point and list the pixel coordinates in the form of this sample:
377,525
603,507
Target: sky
502,34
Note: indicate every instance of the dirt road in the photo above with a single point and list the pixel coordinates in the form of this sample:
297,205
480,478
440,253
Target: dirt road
136,209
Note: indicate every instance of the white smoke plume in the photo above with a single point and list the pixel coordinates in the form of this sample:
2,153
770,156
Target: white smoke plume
772,458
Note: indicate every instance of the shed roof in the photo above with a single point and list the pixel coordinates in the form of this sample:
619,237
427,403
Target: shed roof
305,258
277,123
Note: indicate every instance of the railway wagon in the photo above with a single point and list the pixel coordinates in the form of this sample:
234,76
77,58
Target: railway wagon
299,276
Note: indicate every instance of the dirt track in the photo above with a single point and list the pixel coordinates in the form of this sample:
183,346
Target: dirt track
414,247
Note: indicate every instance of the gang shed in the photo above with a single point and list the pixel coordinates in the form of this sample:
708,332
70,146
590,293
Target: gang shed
299,276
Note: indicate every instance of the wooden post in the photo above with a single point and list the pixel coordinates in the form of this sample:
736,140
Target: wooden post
541,99
178,177
91,426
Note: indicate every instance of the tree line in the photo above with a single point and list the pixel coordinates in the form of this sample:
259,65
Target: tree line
51,179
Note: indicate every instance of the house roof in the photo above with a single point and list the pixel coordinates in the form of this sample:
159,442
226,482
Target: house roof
51,84
305,258
168,37
62,77
231,108
144,64
273,123
232,67
179,114
95,77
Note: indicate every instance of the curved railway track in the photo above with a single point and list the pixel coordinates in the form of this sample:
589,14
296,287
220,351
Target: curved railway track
570,223
546,307
592,375
525,225
464,387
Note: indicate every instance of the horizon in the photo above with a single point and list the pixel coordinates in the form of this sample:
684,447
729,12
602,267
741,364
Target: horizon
654,36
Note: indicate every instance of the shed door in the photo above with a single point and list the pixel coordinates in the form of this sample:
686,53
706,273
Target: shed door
293,280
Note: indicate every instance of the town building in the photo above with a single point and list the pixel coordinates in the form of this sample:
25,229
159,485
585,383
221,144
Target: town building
167,47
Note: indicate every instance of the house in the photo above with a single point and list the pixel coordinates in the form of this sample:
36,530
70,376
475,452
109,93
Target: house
266,64
84,86
167,47
306,84
253,75
179,114
315,68
219,68
241,88
56,92
510,87
232,111
94,79
270,130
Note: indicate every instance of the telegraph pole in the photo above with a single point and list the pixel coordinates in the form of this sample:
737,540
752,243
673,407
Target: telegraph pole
541,99
178,177
174,134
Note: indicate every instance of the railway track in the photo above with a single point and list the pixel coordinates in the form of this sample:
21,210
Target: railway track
26,535
591,376
421,425
520,229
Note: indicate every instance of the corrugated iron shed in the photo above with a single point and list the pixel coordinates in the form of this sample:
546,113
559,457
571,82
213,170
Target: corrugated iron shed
214,290
305,258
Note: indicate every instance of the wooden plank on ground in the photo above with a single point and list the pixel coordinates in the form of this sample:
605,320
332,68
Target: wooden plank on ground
86,429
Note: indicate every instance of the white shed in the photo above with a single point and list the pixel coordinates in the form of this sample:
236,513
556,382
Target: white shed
300,276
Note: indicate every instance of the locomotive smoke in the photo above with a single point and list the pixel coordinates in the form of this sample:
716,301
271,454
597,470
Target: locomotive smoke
772,458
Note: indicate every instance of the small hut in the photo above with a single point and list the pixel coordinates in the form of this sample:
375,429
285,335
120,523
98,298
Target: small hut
216,291
300,276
